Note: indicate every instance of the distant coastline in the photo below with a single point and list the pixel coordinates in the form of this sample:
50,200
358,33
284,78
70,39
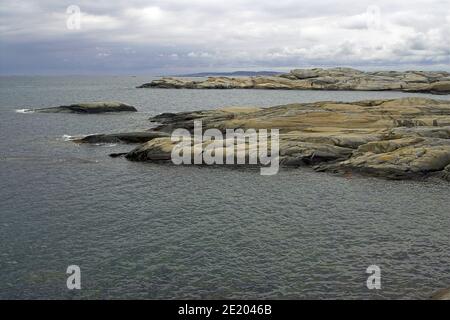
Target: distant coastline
231,74
338,78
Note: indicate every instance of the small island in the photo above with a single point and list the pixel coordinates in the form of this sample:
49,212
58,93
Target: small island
89,108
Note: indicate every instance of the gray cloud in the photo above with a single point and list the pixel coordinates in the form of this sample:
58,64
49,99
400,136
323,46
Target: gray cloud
174,36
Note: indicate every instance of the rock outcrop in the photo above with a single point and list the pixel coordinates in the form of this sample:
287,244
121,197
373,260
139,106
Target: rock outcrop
396,139
435,82
126,137
90,107
443,294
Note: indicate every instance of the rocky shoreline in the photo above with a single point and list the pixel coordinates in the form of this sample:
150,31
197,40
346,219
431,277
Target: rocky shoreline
434,82
395,139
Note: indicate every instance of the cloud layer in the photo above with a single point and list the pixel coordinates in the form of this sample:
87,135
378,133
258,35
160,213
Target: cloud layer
173,36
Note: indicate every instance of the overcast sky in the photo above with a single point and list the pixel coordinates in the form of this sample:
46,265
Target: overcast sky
177,36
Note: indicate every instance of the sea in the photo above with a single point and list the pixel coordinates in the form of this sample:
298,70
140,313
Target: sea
157,231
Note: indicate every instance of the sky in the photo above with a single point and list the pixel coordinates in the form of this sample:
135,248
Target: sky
158,37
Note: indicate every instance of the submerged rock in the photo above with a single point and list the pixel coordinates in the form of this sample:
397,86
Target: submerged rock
434,82
446,173
117,155
91,107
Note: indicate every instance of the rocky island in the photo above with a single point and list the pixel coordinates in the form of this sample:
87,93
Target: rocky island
395,139
435,82
89,107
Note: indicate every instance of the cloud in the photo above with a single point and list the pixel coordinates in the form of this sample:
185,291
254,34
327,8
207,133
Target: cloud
164,36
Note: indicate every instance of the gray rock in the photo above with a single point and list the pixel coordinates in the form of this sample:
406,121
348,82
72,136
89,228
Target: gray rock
445,174
305,73
438,87
117,155
89,108
126,137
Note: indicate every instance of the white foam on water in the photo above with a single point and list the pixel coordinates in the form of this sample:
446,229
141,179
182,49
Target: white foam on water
24,111
107,145
66,137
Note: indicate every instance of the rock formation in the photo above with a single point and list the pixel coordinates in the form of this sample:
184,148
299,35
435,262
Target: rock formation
90,107
435,82
396,139
128,137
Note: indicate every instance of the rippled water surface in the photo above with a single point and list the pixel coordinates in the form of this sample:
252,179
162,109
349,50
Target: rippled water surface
162,231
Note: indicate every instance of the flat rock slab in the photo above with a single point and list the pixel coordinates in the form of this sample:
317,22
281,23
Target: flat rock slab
434,82
90,108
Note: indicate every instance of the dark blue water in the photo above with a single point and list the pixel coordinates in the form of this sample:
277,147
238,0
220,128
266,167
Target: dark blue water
155,231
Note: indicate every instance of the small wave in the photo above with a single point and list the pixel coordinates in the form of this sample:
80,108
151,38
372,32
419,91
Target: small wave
66,137
107,145
24,110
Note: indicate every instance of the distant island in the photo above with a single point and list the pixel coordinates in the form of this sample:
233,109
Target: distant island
231,74
435,82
